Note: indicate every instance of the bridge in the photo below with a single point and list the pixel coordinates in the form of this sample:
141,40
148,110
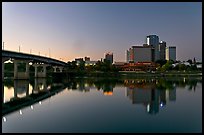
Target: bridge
36,60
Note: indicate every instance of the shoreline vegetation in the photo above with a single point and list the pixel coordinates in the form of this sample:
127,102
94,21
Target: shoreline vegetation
127,75
118,74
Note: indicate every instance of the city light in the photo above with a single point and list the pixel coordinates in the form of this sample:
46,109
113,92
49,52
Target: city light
20,112
148,108
4,119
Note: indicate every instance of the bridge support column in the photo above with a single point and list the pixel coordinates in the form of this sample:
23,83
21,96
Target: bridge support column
60,68
3,60
55,68
21,75
44,70
42,73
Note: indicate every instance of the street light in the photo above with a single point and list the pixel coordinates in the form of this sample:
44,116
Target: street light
3,45
19,48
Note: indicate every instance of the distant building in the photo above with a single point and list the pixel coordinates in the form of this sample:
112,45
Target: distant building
119,64
153,40
138,66
130,55
162,50
171,53
87,58
140,54
109,57
88,63
78,60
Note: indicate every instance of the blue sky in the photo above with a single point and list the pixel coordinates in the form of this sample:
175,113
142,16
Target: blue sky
80,29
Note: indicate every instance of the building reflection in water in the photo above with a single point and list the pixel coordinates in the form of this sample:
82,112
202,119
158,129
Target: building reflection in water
84,85
146,93
152,93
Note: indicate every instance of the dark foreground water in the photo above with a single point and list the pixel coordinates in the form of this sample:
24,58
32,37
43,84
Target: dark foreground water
104,105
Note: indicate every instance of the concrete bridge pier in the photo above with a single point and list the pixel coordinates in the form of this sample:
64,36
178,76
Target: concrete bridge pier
3,60
21,75
55,68
59,67
43,72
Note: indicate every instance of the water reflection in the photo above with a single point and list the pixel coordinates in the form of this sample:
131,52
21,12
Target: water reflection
152,93
151,97
21,89
40,85
20,93
16,89
133,105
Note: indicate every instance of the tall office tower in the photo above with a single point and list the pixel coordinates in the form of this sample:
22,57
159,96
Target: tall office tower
109,56
171,53
162,50
153,40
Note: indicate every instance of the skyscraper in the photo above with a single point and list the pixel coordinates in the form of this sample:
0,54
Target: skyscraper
162,50
109,57
171,53
153,40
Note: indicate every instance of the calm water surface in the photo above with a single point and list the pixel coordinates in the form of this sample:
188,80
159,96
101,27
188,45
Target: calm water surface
104,105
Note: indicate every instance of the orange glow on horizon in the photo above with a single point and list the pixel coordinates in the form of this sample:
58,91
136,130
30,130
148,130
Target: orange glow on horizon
108,93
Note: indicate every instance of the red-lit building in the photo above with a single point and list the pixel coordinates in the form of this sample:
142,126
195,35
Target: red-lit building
138,66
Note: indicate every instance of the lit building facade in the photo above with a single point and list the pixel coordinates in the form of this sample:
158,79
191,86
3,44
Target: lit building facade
140,54
171,53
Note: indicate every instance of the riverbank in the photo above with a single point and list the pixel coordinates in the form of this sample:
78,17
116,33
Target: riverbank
136,74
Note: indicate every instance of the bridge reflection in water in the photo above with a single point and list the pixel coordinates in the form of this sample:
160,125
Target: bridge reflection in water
152,93
25,94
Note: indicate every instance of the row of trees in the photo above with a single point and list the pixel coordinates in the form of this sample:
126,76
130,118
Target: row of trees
104,66
166,65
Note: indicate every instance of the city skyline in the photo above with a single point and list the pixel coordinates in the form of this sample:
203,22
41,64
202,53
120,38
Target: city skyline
72,30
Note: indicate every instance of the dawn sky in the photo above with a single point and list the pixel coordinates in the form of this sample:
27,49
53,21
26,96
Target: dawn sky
71,30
